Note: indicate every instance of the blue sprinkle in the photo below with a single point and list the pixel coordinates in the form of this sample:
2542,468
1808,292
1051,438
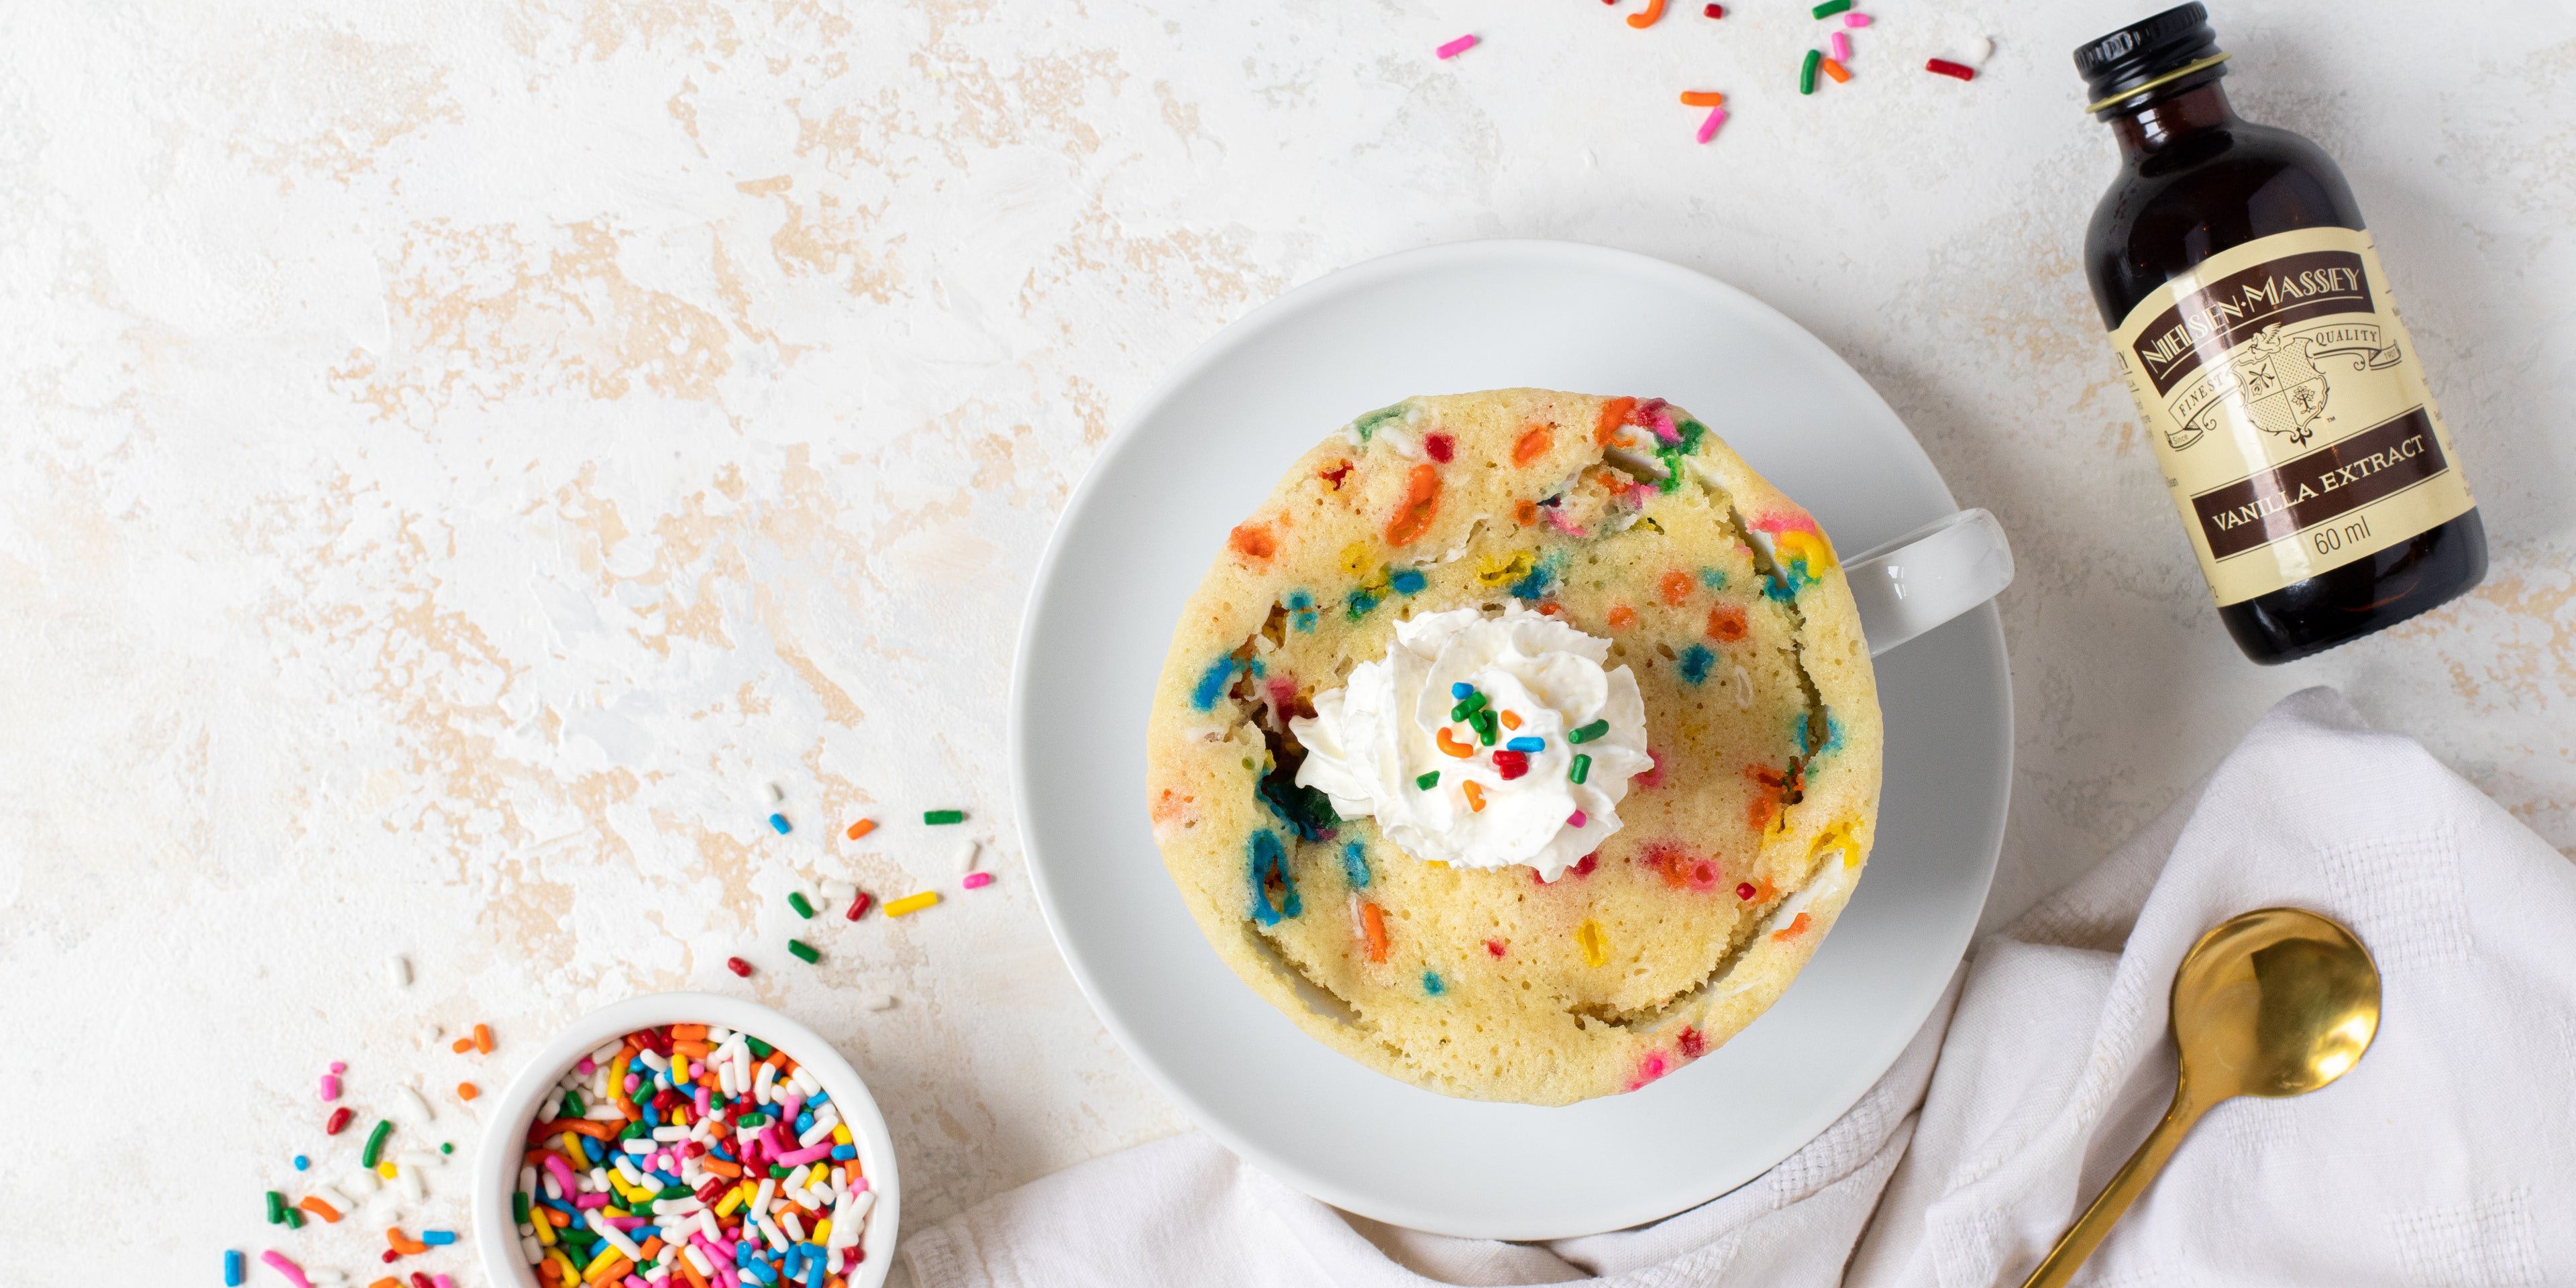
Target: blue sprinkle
1212,683
1355,866
844,1153
1431,983
1269,860
301,1162
1713,578
1535,585
1408,582
1695,662
778,822
1526,744
1833,733
232,1269
820,1098
436,1237
1459,689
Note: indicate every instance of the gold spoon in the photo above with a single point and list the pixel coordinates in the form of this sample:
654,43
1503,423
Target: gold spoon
2277,1002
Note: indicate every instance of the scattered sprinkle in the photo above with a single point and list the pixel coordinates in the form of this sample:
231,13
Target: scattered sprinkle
1840,73
1744,890
376,1142
1654,13
778,824
294,1273
1579,770
1981,49
1708,128
338,1121
302,1163
1475,796
978,880
1855,19
1702,98
804,907
1577,819
738,966
1807,71
1595,945
1431,978
1373,928
966,856
776,793
1456,47
1459,689
911,903
1526,744
939,817
330,1087
467,1091
398,969
1587,733
1944,67
1797,926
881,1002
1831,7
859,905
1494,947
1839,44
1427,781
1715,11
415,1107
232,1269
804,951
861,828
483,1038
438,1238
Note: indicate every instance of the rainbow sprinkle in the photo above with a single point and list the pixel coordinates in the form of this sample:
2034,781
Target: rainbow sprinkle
1456,47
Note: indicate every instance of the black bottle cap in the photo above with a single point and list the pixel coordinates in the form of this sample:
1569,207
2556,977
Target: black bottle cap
2145,55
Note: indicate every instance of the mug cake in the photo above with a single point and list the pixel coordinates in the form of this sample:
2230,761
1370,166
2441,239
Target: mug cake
1523,745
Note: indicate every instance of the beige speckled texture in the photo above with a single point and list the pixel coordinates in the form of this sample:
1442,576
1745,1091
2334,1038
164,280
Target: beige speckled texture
451,456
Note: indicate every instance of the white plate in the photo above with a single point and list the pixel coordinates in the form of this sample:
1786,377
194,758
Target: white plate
1204,451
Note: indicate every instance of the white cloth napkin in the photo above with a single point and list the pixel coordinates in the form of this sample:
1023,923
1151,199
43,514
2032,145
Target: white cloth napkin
2446,1157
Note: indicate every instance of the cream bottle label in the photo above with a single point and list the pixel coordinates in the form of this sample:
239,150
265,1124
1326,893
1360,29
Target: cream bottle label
2288,410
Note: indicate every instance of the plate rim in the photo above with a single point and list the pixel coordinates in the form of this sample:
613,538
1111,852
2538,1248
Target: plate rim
1237,334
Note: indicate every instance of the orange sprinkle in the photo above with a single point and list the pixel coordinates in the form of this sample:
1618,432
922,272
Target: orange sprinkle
461,1045
557,1219
1622,617
1614,413
1373,922
402,1244
1253,541
1525,513
1421,503
720,1167
1726,623
1511,720
609,1271
651,1246
1702,98
1796,926
689,1032
1841,76
1535,443
467,1091
1674,586
397,1283
691,1273
861,828
1450,745
483,1038
1654,11
329,1214
1475,797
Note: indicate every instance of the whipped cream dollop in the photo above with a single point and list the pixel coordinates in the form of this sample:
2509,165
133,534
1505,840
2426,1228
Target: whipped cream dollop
1371,743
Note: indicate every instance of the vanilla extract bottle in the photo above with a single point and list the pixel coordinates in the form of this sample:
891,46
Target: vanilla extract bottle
2254,325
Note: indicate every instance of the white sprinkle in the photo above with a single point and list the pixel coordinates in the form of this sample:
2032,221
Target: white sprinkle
1979,50
418,1158
776,794
839,893
418,1108
415,1187
881,1002
966,856
1743,689
432,1035
362,1181
399,967
339,1202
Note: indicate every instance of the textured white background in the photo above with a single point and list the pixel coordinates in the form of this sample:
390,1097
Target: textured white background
453,455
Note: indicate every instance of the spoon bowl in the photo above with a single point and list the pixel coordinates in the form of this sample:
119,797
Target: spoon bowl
2274,1002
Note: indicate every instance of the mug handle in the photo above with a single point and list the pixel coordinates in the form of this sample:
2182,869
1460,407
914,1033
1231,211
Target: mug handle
1928,576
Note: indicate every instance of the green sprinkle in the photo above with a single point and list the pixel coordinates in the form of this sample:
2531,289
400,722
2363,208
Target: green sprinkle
573,1108
759,1050
519,1207
777,1171
796,899
1807,73
294,1219
1460,712
1831,7
1427,781
446,1147
634,1131
804,951
936,817
1485,726
1581,769
674,1192
376,1142
1588,732
276,1208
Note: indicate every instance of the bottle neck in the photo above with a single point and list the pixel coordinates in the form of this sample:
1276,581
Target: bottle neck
2163,122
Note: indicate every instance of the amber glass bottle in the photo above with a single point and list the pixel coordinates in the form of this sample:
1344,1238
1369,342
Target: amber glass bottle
2254,326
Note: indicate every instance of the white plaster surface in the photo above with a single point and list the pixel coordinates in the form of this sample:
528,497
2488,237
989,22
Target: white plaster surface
453,456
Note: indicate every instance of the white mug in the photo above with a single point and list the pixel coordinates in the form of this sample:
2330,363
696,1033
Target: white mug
1928,576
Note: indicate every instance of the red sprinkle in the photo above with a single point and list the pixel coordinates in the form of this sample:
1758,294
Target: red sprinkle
338,1122
1511,764
1944,67
859,906
390,1254
1494,946
419,1280
1715,11
738,966
1744,890
1441,447
1693,1043
1590,861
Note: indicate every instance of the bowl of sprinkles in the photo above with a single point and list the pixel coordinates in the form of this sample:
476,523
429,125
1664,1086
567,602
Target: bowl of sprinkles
687,1140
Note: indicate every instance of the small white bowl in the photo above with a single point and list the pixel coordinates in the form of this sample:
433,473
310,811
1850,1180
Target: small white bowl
505,1131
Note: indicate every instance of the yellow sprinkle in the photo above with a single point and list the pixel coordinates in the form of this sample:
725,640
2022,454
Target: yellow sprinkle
732,1199
821,1235
387,1170
1596,948
570,1271
840,1133
606,1255
912,903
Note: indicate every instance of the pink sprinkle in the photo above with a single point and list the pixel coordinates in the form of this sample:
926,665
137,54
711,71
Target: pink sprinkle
1707,131
1577,819
339,1066
858,1185
978,880
441,1281
1855,19
590,1200
330,1086
293,1272
1456,47
586,1066
1842,47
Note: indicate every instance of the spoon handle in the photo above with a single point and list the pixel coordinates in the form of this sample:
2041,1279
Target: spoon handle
2134,1177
